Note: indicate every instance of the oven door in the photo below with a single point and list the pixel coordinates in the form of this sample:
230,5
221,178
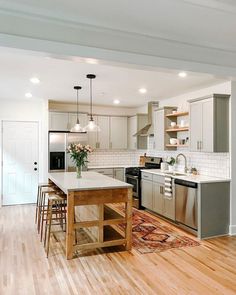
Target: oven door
134,180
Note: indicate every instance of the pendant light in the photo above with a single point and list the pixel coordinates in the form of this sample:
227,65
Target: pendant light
92,126
77,127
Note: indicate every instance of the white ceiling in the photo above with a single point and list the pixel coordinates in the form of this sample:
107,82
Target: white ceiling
58,76
211,22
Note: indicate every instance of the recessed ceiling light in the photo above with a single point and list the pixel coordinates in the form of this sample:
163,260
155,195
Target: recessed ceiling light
34,80
28,95
91,61
182,74
143,90
116,101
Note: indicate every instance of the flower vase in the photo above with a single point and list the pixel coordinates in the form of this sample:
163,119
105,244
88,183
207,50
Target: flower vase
78,171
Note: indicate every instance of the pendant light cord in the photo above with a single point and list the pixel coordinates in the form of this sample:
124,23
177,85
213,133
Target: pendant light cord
91,101
77,107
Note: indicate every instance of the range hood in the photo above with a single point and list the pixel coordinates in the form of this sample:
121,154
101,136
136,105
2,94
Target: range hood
148,129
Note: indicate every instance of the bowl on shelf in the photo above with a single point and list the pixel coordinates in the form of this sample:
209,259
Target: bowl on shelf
173,141
173,125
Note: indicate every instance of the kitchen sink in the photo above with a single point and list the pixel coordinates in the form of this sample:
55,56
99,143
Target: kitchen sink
175,173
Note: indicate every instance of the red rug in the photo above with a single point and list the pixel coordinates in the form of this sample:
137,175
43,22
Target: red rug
150,235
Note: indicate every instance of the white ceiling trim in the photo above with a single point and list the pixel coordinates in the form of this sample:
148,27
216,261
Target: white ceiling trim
67,23
228,6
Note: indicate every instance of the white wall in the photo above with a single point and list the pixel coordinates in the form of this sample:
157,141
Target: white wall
97,110
28,110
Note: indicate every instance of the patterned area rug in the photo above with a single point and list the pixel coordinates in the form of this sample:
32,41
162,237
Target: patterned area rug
150,235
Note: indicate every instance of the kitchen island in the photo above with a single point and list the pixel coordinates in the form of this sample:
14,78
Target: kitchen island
93,196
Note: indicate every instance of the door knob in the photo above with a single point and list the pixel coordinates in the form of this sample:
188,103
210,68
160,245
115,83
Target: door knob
35,169
35,163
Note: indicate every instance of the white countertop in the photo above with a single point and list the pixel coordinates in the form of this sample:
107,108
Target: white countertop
67,181
193,178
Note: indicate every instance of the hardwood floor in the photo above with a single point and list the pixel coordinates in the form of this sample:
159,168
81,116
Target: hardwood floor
24,268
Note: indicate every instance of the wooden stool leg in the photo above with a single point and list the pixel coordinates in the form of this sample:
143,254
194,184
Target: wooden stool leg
40,209
42,217
49,227
37,205
46,225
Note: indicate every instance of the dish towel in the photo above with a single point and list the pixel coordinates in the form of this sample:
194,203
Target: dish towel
168,186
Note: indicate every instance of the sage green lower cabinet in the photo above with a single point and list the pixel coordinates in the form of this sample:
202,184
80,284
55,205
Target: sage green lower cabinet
147,196
118,173
158,197
153,195
169,207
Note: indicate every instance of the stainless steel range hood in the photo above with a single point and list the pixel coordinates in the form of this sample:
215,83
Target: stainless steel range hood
148,129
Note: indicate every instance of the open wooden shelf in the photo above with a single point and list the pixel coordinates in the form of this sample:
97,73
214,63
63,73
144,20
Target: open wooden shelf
180,114
111,234
176,145
180,129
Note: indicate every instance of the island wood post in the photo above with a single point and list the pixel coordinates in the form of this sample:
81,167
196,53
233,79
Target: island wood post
128,212
70,225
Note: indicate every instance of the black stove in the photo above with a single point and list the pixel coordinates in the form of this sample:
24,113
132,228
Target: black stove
133,176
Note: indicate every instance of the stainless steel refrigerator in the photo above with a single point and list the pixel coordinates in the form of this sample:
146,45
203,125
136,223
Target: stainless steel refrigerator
58,143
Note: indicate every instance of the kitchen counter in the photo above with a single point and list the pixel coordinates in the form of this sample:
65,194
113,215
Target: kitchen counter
90,199
193,178
67,181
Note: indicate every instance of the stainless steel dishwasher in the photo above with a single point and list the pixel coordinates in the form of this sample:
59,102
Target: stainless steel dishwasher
186,203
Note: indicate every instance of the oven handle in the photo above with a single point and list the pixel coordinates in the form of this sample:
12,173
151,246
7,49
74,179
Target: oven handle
131,176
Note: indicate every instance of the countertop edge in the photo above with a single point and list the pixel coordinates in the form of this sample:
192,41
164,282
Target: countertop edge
189,178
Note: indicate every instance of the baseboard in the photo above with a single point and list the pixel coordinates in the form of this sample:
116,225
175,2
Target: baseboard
232,230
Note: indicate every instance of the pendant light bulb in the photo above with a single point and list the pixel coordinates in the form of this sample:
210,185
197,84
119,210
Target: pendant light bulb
77,127
92,126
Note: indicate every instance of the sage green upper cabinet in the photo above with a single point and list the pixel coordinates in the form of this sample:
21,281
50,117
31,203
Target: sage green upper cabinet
132,129
92,136
100,139
58,121
118,132
159,132
135,124
209,123
103,140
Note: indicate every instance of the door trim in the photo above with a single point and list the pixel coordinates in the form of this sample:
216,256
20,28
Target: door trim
1,154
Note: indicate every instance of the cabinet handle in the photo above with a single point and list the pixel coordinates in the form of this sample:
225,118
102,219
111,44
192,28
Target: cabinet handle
201,145
110,145
197,145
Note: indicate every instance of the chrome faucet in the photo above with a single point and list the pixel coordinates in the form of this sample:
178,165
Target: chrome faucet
185,161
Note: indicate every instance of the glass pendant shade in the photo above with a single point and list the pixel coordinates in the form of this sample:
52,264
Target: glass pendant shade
92,126
77,127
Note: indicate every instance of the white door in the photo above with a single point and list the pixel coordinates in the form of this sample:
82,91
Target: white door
118,132
20,162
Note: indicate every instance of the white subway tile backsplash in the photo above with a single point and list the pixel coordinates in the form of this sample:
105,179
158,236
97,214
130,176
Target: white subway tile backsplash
210,164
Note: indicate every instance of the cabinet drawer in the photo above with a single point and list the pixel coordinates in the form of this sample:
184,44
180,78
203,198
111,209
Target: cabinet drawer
147,176
159,178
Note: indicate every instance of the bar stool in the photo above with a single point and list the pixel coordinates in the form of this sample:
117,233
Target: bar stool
40,187
43,206
56,211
